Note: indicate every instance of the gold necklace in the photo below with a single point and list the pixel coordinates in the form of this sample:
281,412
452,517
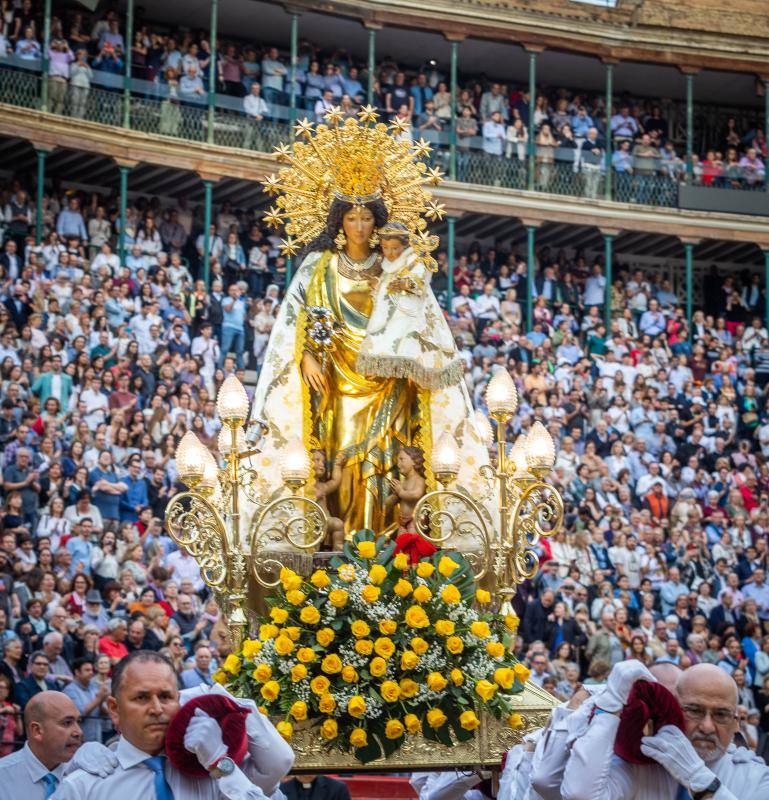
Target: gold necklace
366,269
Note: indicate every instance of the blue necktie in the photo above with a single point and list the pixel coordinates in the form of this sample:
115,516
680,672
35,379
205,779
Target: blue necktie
162,789
683,793
50,781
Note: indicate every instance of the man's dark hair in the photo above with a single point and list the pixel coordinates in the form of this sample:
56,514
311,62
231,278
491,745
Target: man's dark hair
142,656
79,663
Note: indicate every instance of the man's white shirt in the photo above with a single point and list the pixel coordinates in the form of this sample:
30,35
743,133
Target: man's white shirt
21,776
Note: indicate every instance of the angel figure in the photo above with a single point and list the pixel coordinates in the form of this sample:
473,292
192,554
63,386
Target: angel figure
325,485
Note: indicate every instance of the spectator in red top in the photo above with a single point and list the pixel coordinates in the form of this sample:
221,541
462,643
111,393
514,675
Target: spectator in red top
112,644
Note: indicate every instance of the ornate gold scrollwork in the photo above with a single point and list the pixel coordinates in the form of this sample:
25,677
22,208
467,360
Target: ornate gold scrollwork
538,513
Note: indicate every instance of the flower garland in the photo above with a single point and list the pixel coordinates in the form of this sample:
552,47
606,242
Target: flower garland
379,650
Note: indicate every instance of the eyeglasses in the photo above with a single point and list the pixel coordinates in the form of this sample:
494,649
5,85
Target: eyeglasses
720,716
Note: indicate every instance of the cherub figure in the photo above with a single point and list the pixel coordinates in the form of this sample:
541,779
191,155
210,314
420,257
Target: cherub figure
325,485
409,488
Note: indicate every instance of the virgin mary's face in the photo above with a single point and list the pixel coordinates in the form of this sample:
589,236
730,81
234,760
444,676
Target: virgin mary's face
358,224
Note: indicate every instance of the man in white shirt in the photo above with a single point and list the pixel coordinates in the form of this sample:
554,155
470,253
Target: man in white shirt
106,258
255,105
206,348
144,699
595,288
183,565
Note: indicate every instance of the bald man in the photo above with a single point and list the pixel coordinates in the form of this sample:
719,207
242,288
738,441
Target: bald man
700,763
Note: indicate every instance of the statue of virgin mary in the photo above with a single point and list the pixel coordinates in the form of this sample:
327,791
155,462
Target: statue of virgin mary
339,188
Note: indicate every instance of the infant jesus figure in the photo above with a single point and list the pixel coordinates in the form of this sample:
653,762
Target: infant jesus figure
325,485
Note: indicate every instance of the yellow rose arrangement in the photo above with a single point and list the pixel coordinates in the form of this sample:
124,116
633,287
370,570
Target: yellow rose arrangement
373,649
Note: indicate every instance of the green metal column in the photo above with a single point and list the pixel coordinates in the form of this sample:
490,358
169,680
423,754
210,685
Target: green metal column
208,195
212,73
451,221
371,65
766,289
530,233
292,72
453,132
123,208
607,181
45,61
766,136
608,241
41,154
689,127
532,149
289,271
129,38
689,251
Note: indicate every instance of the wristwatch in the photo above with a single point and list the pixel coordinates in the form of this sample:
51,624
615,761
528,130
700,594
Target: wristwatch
222,768
711,790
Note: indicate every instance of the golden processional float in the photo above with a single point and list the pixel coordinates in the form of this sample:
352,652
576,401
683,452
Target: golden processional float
375,654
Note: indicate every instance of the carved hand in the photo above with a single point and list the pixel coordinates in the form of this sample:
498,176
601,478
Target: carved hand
313,374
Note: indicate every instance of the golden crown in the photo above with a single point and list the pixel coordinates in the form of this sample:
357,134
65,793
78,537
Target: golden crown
356,160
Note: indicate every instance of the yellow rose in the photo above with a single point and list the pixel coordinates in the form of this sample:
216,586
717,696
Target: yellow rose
338,598
310,615
366,549
409,660
325,636
292,632
436,718
331,664
384,647
283,645
232,664
270,690
251,648
485,690
299,710
504,677
495,649
422,594
306,655
394,729
360,628
450,595
350,674
364,647
295,597
468,720
356,706
409,688
262,673
319,579
387,627
457,676
401,561
285,729
390,691
419,645
220,676
319,685
413,723
346,573
515,721
329,729
377,574
263,710
377,667
278,615
455,645
482,596
511,622
327,703
403,588
436,682
522,672
290,579
446,566
298,673
424,569
358,736
268,631
444,627
370,593
480,629
416,617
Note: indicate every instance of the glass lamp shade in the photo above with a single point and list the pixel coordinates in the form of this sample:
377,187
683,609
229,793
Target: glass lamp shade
210,470
232,402
518,455
446,458
190,457
484,427
295,462
540,450
224,440
501,394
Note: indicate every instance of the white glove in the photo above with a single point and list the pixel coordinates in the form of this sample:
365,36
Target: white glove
671,749
203,737
93,758
620,683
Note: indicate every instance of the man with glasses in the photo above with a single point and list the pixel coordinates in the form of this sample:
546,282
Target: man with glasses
37,680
